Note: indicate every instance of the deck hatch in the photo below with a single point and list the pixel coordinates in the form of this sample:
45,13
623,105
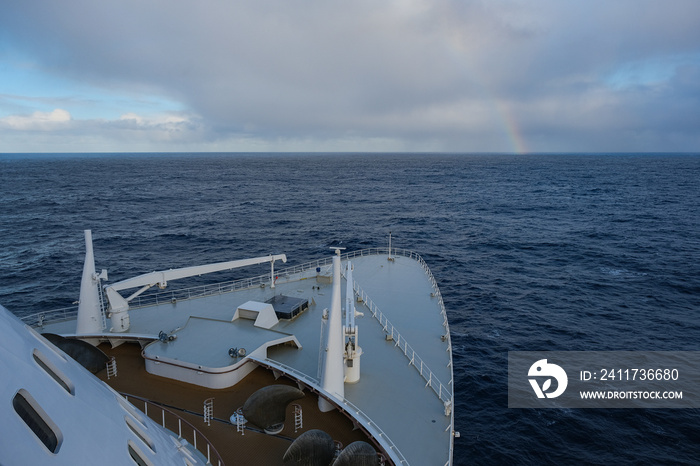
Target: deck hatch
288,307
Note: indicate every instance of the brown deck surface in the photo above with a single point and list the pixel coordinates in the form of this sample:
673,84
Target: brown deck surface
253,448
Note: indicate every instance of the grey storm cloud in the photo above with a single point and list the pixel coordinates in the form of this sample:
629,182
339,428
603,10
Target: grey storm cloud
450,75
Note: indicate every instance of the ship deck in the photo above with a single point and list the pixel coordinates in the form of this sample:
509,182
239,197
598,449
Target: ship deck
252,447
404,396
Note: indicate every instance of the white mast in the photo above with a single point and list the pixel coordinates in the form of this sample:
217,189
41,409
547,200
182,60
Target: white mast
349,302
350,331
332,377
390,258
90,319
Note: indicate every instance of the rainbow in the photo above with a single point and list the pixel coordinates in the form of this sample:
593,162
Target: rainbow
511,127
458,50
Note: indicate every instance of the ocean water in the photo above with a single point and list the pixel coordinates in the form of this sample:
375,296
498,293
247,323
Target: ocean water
531,252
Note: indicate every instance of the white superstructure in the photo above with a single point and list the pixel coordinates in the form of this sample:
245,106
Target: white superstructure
54,412
304,323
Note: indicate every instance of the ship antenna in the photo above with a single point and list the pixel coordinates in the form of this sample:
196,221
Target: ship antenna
390,258
337,249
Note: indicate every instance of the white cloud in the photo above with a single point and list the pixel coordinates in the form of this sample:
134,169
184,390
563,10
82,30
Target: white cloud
157,121
164,128
38,121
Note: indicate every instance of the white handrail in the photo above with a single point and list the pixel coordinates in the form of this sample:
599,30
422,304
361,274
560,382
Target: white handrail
40,318
408,351
159,297
155,298
146,300
346,405
209,447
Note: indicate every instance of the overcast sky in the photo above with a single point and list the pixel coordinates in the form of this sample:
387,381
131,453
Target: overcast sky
354,75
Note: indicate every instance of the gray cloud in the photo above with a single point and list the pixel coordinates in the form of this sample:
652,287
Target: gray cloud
439,74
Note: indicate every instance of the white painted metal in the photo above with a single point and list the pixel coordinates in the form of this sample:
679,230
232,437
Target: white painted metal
240,421
349,301
211,377
90,319
111,368
161,278
272,273
298,418
89,419
208,410
332,374
352,348
119,307
262,313
397,374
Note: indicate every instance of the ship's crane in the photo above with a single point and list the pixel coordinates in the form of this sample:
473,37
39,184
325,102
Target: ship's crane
91,321
119,306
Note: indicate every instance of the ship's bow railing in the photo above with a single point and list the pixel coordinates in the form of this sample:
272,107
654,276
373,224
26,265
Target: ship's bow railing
344,405
56,315
176,424
161,297
414,359
311,268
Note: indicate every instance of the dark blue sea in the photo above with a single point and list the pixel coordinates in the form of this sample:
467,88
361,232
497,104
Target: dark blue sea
531,252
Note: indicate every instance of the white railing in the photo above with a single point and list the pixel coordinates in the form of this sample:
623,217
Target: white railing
160,297
345,405
57,315
39,319
298,418
111,368
414,359
205,447
240,421
208,410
